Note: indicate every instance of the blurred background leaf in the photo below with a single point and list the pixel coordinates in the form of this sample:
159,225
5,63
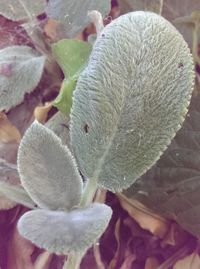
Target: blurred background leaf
21,9
65,11
171,188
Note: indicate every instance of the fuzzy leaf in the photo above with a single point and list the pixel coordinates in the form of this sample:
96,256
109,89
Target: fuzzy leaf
47,169
21,9
72,56
148,5
65,11
61,232
16,194
125,111
59,125
20,71
171,188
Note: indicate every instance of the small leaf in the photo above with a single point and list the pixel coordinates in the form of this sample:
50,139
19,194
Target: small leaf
47,169
65,11
59,124
64,99
62,232
125,112
25,71
21,9
71,55
16,194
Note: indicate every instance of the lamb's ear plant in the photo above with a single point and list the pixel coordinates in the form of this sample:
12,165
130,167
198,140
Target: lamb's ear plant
128,104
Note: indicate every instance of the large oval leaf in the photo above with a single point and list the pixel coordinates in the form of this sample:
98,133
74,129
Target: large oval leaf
62,232
74,14
21,69
47,169
131,98
21,10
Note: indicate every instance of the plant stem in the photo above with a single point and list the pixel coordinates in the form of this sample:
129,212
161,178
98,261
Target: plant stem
73,261
89,192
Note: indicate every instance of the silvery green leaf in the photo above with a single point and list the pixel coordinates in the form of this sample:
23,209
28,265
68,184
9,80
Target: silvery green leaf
131,99
74,14
16,194
59,124
21,69
21,9
147,5
47,169
61,232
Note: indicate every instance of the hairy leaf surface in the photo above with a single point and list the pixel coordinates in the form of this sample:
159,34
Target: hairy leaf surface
61,232
131,99
16,194
172,186
74,14
21,69
21,9
47,169
59,125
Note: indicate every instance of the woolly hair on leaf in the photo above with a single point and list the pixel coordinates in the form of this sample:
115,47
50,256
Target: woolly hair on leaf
21,69
131,99
47,169
60,232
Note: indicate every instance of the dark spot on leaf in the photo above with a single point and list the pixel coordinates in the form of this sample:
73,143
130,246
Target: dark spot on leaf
180,65
86,128
103,35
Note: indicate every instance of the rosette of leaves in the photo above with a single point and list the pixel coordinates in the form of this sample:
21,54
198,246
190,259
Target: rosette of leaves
131,99
50,176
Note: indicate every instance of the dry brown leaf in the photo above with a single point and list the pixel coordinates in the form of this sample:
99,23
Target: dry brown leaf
8,132
19,252
151,263
174,235
113,262
43,260
189,262
144,217
41,112
127,264
51,29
